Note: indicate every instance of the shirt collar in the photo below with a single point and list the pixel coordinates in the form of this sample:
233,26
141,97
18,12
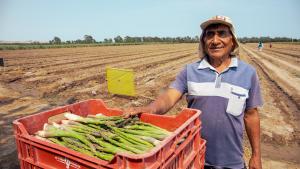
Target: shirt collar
205,64
234,62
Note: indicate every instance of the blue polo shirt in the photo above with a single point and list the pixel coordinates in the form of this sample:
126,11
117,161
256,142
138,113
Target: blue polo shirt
222,98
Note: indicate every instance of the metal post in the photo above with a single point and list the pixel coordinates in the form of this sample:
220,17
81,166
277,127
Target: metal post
2,65
2,62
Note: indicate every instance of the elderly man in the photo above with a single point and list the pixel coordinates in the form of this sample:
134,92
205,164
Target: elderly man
227,92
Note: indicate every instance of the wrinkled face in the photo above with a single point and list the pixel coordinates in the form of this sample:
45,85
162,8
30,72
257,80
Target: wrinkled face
218,42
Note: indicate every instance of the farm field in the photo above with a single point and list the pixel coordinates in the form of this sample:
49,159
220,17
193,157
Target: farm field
41,79
278,71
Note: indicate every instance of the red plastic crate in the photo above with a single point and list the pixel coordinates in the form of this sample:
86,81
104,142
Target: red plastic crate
183,149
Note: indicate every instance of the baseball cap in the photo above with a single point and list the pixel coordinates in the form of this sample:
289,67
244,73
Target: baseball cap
221,20
217,19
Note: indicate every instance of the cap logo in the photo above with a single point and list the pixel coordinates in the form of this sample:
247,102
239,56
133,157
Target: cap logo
220,17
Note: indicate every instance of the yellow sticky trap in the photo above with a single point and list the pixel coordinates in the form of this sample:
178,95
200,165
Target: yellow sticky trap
120,81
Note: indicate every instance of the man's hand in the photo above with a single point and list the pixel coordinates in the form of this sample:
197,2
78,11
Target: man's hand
255,162
161,105
135,111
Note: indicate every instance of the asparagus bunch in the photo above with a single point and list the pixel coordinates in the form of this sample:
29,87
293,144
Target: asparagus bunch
103,136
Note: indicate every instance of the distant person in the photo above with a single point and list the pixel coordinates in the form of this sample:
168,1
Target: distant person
260,46
225,89
270,45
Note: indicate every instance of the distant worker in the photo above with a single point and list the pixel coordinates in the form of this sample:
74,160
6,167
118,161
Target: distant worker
270,45
260,46
226,90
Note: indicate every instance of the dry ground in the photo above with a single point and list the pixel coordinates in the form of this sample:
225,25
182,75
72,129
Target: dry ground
279,77
37,80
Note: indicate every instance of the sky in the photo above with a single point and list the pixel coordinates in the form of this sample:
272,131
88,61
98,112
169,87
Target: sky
41,20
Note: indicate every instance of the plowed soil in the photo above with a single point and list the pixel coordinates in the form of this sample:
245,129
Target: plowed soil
37,80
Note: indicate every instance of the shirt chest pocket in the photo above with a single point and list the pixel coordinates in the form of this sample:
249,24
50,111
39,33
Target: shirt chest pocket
236,101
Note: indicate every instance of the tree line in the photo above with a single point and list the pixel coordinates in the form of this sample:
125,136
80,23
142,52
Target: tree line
88,39
267,39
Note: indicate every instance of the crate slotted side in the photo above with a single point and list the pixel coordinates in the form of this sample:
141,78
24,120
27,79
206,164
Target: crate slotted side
185,141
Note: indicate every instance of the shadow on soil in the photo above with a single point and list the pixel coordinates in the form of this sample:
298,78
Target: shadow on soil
8,150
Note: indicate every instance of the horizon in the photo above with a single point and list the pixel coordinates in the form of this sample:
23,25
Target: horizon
47,42
33,20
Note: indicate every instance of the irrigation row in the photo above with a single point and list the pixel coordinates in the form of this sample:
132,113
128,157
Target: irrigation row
100,75
280,77
94,67
152,71
61,58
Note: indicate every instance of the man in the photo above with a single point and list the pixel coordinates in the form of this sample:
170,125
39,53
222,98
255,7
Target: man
260,46
227,92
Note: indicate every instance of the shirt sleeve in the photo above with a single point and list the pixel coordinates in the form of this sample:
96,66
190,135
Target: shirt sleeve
255,99
180,83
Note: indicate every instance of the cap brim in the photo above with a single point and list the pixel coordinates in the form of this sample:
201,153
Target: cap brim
209,22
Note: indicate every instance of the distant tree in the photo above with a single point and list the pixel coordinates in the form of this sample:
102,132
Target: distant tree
56,40
179,39
128,39
118,39
196,39
36,42
107,40
156,39
78,41
88,39
187,39
146,39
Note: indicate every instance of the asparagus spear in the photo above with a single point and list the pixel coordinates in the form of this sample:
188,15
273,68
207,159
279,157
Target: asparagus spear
148,126
77,118
145,133
52,131
131,137
105,144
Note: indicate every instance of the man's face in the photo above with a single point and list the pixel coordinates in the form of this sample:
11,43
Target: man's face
218,41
